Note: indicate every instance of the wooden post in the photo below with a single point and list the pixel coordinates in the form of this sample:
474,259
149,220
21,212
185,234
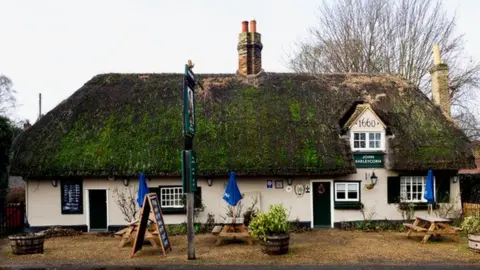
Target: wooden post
190,228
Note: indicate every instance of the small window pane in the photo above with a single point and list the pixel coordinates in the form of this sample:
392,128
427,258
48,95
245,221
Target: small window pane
356,136
341,187
362,144
171,197
352,195
378,136
356,144
341,195
371,136
362,136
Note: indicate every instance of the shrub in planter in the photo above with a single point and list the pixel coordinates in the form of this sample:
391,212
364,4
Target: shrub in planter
272,229
472,226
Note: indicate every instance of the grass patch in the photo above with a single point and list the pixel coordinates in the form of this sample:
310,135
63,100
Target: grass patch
312,247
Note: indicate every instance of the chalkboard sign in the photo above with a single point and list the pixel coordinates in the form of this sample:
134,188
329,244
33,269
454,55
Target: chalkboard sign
151,204
72,196
159,220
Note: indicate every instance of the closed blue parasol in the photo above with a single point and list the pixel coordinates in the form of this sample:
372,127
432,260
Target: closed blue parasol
142,189
232,194
429,192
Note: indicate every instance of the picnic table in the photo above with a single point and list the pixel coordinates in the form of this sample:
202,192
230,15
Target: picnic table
430,225
129,233
232,229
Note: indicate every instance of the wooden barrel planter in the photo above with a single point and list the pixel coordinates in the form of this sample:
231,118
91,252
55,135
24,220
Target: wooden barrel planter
28,243
474,242
276,244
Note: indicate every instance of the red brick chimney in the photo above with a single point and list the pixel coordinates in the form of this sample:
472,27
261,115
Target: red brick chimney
249,50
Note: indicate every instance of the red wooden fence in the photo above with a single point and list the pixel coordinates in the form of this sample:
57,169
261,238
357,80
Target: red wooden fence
12,218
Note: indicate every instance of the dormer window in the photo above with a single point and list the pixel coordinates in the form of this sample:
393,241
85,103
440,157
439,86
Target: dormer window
367,140
366,130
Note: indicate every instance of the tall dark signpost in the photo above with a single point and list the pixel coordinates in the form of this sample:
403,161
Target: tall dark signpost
189,180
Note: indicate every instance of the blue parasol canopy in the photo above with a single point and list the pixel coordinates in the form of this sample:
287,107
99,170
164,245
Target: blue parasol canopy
142,189
429,192
232,194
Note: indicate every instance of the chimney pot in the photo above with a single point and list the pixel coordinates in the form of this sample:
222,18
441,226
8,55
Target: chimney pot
436,55
26,126
244,26
249,50
253,26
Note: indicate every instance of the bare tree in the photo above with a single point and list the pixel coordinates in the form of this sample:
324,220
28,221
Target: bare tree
7,95
394,37
127,202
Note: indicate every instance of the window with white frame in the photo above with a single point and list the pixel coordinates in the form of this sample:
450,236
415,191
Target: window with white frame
367,140
412,188
171,197
347,192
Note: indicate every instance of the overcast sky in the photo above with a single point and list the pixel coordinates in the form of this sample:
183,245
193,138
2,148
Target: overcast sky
54,47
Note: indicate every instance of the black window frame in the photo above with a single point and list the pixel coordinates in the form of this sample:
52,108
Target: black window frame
348,205
442,192
178,210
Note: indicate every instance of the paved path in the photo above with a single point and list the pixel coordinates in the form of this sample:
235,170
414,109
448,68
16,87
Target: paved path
267,267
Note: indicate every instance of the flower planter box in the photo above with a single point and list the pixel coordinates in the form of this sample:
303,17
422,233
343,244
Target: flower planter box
276,244
474,242
29,243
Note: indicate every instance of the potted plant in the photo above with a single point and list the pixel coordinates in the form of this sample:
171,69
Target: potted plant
27,243
272,229
472,226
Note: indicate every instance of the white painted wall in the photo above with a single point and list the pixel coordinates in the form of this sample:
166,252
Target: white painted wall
44,209
43,205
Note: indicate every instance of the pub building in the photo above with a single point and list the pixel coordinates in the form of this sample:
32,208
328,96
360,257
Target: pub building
324,146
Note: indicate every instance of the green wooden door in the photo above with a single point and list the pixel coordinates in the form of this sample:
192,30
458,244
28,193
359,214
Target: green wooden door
321,204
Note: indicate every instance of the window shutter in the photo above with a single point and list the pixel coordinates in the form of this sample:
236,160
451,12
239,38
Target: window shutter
393,186
198,198
443,188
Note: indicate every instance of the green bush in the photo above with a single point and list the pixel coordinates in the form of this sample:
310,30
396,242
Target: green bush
177,229
471,225
272,222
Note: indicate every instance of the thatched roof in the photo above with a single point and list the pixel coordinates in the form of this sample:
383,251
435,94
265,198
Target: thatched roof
476,153
121,124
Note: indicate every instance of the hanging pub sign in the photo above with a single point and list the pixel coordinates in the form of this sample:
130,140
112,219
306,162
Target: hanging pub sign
188,102
365,160
189,171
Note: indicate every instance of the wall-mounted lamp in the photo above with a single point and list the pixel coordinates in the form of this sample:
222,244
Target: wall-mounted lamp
373,180
289,181
126,181
209,181
54,182
455,179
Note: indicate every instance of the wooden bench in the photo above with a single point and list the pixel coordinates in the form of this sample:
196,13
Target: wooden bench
216,230
432,226
414,227
232,229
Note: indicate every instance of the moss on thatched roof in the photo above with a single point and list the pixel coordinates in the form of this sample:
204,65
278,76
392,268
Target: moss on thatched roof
121,124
